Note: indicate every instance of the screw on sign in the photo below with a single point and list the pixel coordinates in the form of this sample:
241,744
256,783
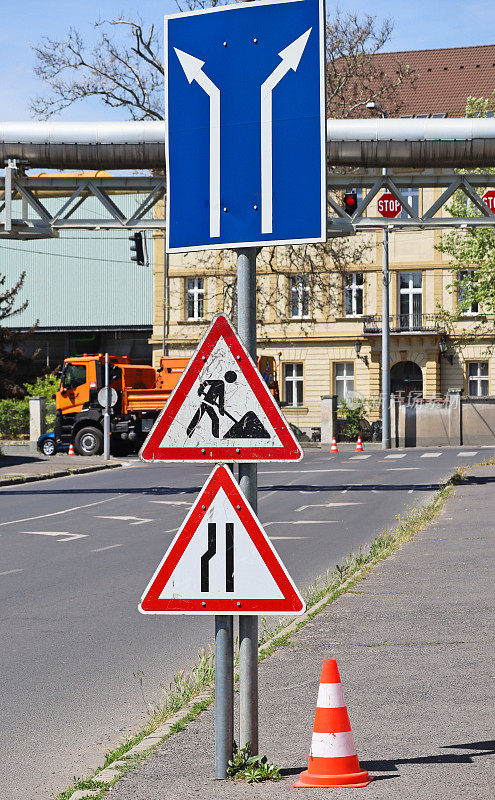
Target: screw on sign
388,206
489,199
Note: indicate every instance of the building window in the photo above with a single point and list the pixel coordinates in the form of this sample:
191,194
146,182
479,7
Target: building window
293,384
195,297
299,296
353,294
412,197
344,379
410,300
478,378
466,283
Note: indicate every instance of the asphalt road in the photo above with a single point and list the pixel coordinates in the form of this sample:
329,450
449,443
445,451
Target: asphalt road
77,552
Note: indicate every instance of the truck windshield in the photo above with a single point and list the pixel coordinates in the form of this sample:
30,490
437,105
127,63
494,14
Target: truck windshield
74,375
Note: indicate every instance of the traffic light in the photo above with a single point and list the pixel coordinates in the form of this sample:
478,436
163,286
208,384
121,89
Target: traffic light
350,202
137,248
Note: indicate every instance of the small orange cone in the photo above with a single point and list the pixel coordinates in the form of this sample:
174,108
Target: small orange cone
71,452
359,446
334,448
332,758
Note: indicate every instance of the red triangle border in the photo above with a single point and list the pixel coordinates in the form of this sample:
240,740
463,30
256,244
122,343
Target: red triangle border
290,603
289,451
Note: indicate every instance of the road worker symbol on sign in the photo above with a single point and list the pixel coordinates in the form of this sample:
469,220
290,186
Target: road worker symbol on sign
221,409
212,393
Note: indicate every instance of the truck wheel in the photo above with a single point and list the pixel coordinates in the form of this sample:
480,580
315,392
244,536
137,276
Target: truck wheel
88,441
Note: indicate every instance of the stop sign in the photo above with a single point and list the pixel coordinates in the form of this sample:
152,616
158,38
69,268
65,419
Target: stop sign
489,199
388,206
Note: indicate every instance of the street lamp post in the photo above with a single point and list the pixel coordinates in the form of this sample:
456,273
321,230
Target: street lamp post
386,433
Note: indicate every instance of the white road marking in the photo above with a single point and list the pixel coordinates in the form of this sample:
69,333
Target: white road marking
430,455
357,458
10,571
68,537
301,522
108,547
410,491
396,455
57,513
400,469
328,505
488,446
310,471
467,454
138,520
172,502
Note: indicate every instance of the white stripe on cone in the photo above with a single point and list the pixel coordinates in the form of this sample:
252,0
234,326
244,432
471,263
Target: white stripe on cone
330,695
332,745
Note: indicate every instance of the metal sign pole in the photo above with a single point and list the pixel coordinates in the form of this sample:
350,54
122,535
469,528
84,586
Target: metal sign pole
106,414
248,480
224,693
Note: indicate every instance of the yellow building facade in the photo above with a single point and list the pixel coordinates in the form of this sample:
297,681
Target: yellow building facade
325,333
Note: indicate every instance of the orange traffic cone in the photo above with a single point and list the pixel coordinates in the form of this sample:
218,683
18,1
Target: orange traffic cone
332,758
359,446
334,448
71,452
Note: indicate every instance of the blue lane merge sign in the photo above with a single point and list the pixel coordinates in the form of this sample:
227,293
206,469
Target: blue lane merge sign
245,112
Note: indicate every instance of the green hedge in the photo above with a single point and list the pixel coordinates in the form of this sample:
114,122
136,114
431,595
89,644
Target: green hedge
14,418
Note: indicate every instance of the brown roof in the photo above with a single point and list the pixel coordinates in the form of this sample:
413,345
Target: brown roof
444,78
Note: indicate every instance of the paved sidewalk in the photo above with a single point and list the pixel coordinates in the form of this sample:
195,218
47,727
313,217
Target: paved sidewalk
22,468
414,643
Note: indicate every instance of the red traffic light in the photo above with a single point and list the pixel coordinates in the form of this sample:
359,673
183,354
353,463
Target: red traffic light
350,202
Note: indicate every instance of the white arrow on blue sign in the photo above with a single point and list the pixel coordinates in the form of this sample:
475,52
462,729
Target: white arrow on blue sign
245,113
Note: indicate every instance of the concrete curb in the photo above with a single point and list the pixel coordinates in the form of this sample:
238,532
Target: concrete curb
59,474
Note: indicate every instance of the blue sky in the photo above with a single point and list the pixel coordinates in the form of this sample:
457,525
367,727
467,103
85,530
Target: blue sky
417,25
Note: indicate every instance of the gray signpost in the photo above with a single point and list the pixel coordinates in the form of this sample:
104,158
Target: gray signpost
255,193
248,480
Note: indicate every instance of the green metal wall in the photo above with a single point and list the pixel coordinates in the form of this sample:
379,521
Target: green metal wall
83,279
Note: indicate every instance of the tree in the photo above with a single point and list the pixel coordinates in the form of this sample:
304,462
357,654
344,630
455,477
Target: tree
12,360
124,68
472,254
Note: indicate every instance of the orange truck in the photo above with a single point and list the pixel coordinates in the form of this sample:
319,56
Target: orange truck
140,392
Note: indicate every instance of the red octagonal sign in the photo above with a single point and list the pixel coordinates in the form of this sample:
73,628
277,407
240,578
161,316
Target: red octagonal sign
388,206
489,199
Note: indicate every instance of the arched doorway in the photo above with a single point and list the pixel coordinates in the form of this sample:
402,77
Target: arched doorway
406,378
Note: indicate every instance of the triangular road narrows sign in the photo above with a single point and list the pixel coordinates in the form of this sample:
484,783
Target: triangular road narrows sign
221,409
221,561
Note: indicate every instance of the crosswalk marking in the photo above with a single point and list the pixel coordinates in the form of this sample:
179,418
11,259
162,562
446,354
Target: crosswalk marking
467,454
430,455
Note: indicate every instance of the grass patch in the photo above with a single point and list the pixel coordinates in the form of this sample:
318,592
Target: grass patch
244,766
324,590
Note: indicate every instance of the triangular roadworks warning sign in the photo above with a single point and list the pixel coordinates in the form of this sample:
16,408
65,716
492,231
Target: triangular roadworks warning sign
221,409
221,561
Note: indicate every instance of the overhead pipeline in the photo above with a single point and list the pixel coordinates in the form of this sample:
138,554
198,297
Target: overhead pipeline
406,143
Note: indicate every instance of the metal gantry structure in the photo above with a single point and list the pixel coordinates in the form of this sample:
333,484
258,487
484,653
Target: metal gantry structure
24,215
